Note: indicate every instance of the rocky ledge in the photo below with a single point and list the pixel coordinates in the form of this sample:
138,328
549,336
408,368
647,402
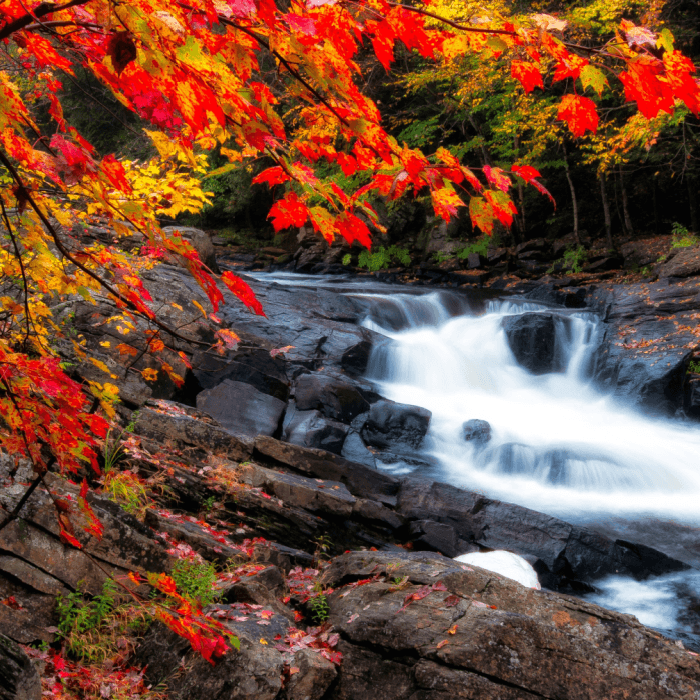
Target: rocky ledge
270,462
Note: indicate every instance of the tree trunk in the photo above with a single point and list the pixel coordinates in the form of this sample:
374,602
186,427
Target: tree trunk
521,197
606,210
574,201
657,222
625,208
693,199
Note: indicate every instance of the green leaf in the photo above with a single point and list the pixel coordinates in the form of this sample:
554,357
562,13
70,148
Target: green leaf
496,46
665,40
222,170
594,78
190,51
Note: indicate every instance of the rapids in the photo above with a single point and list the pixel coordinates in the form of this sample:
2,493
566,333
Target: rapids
559,444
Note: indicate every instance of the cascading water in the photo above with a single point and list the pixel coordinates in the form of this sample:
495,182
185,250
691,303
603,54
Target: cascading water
558,444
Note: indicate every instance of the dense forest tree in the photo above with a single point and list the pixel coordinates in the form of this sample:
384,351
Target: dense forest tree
277,89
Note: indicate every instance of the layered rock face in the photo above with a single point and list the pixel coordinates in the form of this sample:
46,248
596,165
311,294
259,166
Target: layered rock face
298,436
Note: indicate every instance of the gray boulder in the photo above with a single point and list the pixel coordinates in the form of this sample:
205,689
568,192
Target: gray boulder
311,429
477,431
19,679
532,339
334,397
395,426
241,409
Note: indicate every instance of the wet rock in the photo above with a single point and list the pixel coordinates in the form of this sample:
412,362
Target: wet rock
241,409
647,343
469,633
692,397
684,263
314,495
396,426
532,339
313,677
355,359
477,431
361,481
569,553
355,450
311,429
258,369
189,430
252,672
335,398
435,536
19,679
554,294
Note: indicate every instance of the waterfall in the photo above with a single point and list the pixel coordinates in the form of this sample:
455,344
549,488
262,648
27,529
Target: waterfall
559,445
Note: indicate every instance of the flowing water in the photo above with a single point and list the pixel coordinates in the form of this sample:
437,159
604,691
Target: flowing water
559,444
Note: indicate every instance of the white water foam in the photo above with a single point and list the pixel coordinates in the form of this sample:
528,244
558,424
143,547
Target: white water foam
558,444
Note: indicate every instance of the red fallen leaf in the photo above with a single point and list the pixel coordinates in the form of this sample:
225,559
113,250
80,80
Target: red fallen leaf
281,351
11,602
122,50
293,670
451,601
439,586
442,643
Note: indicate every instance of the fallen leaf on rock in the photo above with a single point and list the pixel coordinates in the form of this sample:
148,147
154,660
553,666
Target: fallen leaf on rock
451,601
442,643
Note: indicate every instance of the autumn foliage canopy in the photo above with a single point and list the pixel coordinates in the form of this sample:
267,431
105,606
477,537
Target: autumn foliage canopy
191,70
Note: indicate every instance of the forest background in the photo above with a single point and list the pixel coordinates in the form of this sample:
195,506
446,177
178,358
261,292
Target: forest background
633,177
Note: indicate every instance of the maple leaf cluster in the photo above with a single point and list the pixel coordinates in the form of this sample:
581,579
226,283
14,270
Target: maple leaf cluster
192,70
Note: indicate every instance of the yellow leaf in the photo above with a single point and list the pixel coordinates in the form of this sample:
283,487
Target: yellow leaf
100,365
200,307
105,344
149,374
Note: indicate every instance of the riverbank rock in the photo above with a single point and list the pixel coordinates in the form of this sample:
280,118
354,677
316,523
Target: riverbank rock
241,409
456,631
648,339
19,679
36,566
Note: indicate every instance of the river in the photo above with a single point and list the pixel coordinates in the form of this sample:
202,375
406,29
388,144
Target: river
559,444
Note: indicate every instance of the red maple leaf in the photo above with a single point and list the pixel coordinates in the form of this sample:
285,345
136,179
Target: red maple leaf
579,113
289,211
242,291
528,74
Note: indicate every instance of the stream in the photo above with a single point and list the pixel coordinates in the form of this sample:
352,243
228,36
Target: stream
558,444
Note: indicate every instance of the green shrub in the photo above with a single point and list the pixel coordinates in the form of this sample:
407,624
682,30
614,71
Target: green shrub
573,260
682,238
196,581
383,257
